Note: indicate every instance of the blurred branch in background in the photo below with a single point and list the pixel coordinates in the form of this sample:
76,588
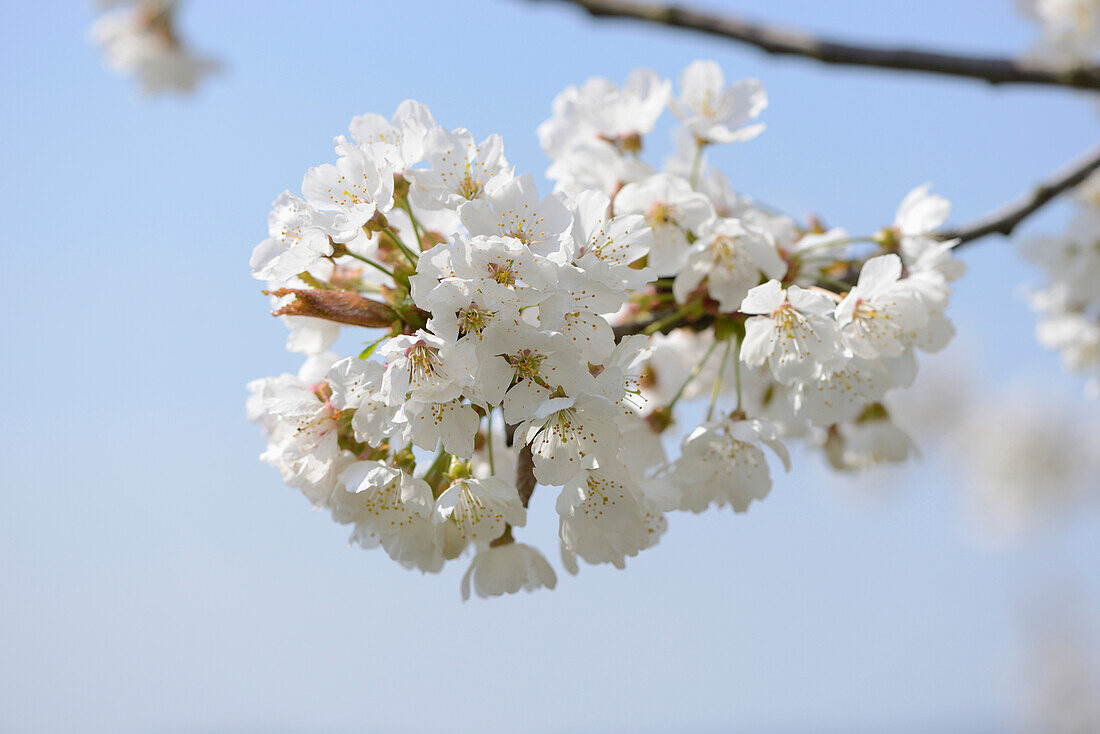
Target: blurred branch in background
778,40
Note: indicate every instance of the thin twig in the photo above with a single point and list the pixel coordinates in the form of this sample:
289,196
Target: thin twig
785,41
1005,219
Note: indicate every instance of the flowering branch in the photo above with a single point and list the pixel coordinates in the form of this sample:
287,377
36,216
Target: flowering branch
345,307
509,313
786,41
1003,220
1006,218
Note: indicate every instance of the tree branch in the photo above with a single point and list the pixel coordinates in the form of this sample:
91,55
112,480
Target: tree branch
785,41
1005,219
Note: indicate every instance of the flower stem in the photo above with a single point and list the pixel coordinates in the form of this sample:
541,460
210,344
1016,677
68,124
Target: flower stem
718,380
670,319
437,470
415,224
696,163
401,246
489,440
692,375
370,262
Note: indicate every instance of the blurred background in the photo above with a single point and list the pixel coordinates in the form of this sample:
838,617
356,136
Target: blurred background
156,577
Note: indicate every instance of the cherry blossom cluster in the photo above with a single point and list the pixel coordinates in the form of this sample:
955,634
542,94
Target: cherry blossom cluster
139,37
1068,304
1069,30
560,339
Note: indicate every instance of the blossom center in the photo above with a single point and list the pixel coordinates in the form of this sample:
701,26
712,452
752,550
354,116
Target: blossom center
424,362
474,319
502,274
527,363
659,213
469,187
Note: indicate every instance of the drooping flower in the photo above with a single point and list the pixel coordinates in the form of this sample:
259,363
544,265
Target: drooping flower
721,463
507,568
477,511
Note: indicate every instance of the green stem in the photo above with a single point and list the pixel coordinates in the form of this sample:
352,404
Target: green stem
415,224
671,318
489,440
401,246
718,380
370,262
692,375
696,163
435,471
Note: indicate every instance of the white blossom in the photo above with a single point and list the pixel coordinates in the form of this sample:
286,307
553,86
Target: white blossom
406,133
605,517
507,568
721,463
513,210
731,258
477,511
390,508
297,242
672,210
918,217
565,431
879,313
515,339
796,335
715,112
354,189
458,170
601,110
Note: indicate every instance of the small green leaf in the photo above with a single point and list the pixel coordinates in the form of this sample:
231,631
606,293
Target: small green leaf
366,353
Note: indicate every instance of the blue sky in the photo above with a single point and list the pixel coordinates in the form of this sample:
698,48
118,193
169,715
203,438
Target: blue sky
154,576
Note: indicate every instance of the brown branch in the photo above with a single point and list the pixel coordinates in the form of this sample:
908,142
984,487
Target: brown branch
1006,218
785,41
345,307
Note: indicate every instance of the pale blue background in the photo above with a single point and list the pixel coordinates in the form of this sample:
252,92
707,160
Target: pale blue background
155,577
